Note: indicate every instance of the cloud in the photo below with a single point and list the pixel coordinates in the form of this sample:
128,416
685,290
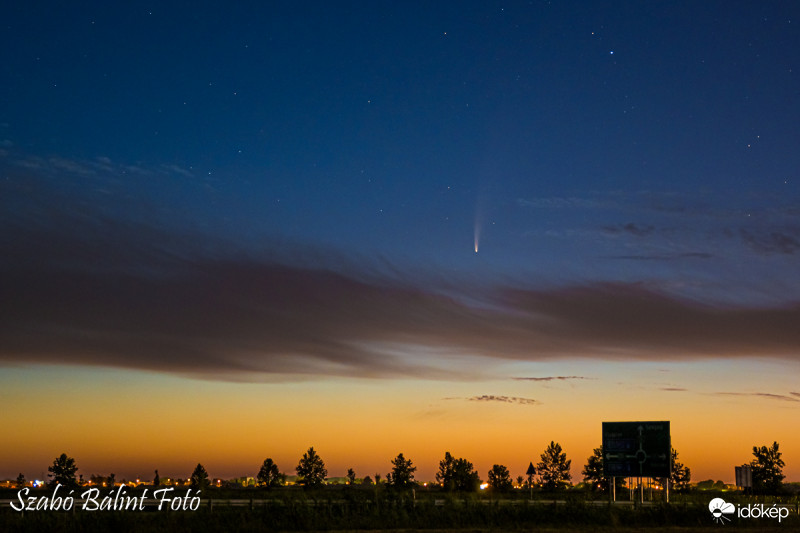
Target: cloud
631,229
769,395
674,389
165,309
503,399
100,169
786,241
572,202
176,169
552,378
82,285
663,257
671,222
133,296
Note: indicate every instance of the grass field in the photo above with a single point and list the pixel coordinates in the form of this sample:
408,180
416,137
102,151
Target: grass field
361,509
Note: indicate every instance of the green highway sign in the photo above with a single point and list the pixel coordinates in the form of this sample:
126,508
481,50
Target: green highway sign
636,449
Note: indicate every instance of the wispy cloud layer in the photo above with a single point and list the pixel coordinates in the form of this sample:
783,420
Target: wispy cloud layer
81,285
774,241
152,306
768,395
551,378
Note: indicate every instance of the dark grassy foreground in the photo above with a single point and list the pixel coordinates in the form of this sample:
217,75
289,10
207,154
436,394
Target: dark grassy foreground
360,509
399,514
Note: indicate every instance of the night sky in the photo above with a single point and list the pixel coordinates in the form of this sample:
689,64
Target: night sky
458,213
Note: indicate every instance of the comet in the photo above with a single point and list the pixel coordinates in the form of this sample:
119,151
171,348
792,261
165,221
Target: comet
478,224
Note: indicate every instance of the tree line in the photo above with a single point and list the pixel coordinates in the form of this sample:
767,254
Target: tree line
551,473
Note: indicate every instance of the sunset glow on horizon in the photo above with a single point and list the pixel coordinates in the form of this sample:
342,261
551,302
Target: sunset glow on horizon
361,424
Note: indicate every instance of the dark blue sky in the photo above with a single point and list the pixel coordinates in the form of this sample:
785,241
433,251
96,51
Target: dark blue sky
646,144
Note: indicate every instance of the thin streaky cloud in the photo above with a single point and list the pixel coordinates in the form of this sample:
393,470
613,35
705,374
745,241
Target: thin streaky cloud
550,378
768,395
631,228
663,257
564,203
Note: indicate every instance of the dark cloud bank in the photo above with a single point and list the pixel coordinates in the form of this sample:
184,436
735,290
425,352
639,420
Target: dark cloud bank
246,319
91,290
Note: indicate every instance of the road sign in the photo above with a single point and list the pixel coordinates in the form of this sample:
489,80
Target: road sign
636,449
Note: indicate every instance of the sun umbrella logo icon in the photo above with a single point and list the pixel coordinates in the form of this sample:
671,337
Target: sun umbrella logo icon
719,508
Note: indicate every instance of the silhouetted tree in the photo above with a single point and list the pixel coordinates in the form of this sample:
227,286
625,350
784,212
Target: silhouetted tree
377,479
593,470
465,477
351,476
402,474
199,479
112,479
593,473
446,469
499,478
710,484
457,474
520,481
20,482
554,467
63,471
366,481
681,475
156,480
311,469
767,469
269,476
